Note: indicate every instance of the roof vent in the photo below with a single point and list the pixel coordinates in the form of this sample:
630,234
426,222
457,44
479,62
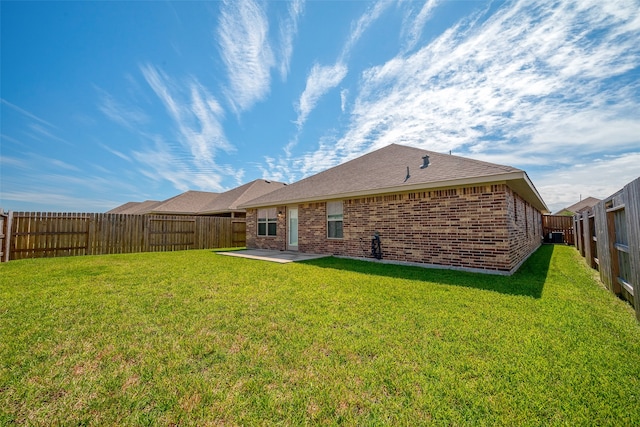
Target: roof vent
425,161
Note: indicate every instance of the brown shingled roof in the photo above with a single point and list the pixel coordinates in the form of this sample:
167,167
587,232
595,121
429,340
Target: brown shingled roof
385,171
583,204
135,208
124,208
187,203
230,200
202,202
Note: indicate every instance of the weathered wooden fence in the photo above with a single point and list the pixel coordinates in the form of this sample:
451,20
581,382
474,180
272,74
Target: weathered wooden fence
46,234
558,224
609,239
238,233
4,232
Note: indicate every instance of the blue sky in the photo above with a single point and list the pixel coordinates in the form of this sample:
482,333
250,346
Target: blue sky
108,102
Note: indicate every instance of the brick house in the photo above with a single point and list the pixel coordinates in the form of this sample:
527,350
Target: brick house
427,208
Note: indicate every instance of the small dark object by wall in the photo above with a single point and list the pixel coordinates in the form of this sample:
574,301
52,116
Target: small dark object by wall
376,250
555,237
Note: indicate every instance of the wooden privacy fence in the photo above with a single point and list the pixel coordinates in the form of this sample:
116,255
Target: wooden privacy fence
609,239
558,224
46,234
3,233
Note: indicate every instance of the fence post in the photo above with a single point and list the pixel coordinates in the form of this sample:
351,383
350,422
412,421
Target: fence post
7,237
632,208
3,233
146,247
91,229
613,268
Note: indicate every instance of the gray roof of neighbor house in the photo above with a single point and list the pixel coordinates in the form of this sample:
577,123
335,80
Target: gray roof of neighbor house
587,203
135,208
187,203
230,200
202,202
385,171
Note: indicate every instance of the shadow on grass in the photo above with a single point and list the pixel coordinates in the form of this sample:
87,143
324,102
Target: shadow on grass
527,281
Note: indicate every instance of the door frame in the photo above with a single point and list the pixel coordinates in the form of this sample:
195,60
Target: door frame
291,247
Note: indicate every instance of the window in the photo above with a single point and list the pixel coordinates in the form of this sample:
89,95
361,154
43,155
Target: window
334,220
267,222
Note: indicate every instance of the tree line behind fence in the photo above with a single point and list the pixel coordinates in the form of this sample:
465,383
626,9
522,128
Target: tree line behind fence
47,234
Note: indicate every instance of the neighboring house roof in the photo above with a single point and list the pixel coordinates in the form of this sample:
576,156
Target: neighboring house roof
385,171
187,203
135,208
202,202
124,208
582,205
230,200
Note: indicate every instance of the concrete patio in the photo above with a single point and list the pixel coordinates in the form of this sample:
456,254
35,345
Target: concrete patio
281,257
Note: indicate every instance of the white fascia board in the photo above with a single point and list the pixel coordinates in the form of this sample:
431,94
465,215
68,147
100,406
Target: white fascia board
525,188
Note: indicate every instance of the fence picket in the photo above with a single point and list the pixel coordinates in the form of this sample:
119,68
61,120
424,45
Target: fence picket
611,242
47,234
5,232
559,223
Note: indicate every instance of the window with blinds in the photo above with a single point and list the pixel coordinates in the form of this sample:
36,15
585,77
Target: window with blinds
267,222
334,220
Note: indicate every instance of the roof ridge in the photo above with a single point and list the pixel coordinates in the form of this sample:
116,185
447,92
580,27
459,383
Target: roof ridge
467,159
506,168
235,196
394,167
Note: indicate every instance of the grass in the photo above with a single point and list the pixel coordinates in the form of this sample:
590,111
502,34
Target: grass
196,338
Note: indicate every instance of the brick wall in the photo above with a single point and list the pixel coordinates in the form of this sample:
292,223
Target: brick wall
481,227
525,228
277,242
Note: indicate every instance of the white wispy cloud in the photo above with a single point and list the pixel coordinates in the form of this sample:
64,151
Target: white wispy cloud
7,161
43,133
359,27
35,128
127,116
244,47
321,79
288,29
48,184
414,25
167,163
25,112
344,95
49,197
197,117
523,86
290,169
115,152
13,140
562,188
529,77
39,164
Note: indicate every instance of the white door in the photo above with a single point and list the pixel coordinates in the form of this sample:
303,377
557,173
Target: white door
292,229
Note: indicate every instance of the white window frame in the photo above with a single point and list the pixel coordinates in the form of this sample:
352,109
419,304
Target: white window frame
335,214
267,217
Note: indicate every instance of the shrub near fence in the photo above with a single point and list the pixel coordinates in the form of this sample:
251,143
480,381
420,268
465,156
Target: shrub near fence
609,239
46,234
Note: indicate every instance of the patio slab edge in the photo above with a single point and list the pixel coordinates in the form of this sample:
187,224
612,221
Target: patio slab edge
281,257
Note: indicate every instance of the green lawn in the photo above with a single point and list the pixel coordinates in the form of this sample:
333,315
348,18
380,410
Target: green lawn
197,338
